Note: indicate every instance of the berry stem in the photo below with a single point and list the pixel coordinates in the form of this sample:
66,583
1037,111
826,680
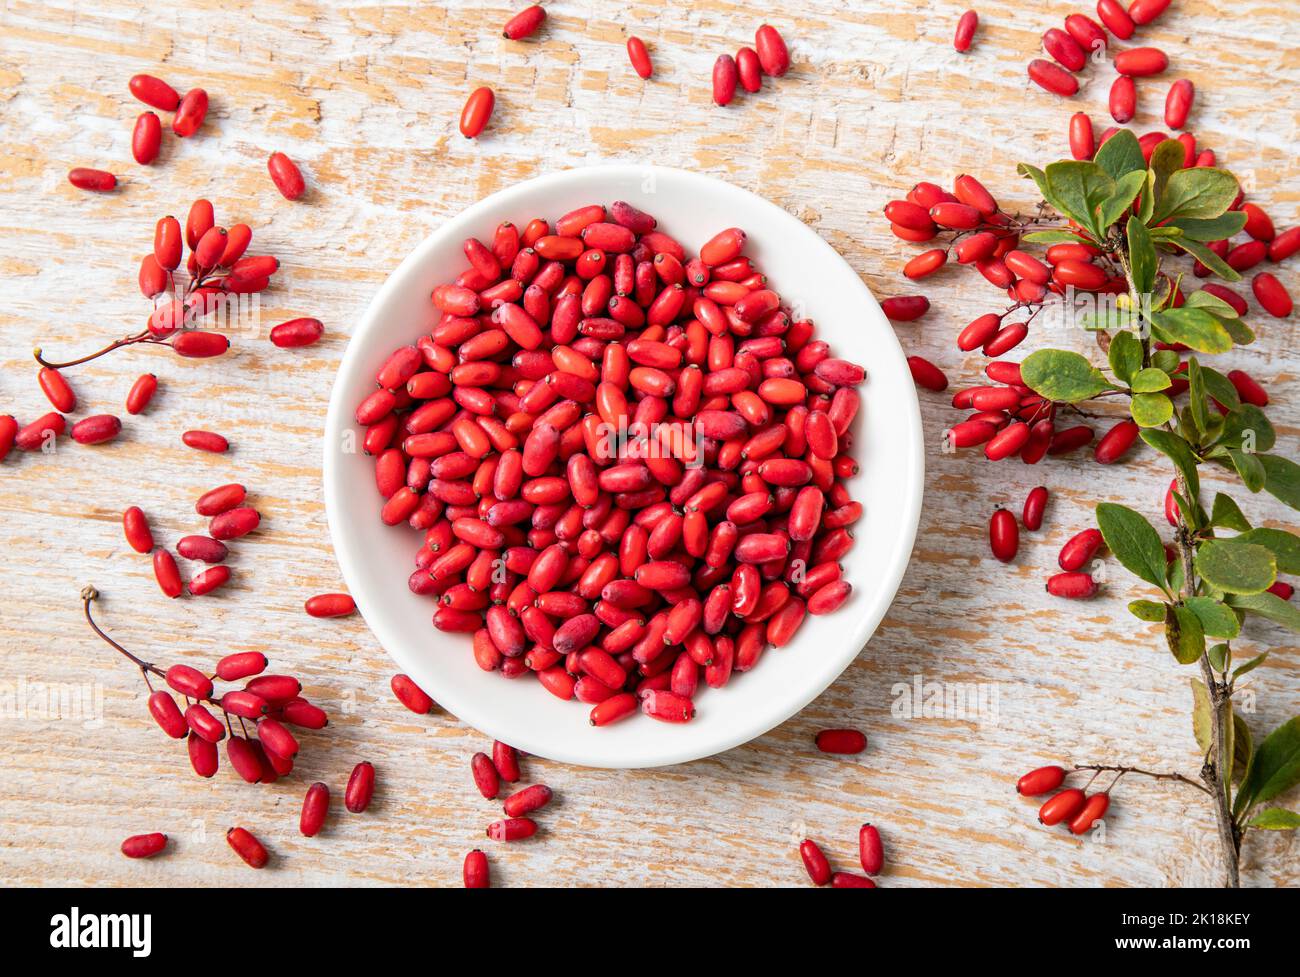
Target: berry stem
140,337
1154,775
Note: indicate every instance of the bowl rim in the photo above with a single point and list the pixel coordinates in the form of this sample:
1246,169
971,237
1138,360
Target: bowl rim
364,590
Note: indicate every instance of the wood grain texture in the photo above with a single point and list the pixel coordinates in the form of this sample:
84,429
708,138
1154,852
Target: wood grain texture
365,97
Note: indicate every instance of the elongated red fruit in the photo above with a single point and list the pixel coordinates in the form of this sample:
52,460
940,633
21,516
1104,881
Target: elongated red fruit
870,851
1052,77
1079,549
1082,142
485,775
56,390
1145,11
1093,810
221,499
1035,503
1284,245
1116,442
814,862
926,374
200,345
146,138
96,429
1075,585
1061,807
205,441
1116,18
286,176
965,33
247,847
144,846
848,880
905,308
1272,295
525,801
361,787
772,52
749,69
477,111
1123,99
411,695
841,741
330,605
1178,103
136,528
191,112
525,23
85,178
1004,535
1248,388
512,829
8,433
1040,781
141,392
296,333
154,91
640,57
166,573
1064,49
1258,224
315,808
1139,62
725,77
234,523
475,872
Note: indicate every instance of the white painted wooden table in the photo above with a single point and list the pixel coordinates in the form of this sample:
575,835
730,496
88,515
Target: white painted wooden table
366,97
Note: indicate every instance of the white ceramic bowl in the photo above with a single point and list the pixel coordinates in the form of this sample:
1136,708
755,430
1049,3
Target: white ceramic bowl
377,560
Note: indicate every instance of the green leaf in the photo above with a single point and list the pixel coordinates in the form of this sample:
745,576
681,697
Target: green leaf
1166,159
1133,541
1165,359
1211,229
1268,606
1179,451
1202,714
1284,546
1277,765
1151,611
1126,190
1249,468
1235,567
1217,620
1151,410
1080,186
1276,819
1125,355
1243,749
1185,635
1247,427
1219,656
1120,155
1281,479
1241,333
1055,237
1219,387
1192,327
1208,258
1143,260
1201,191
1210,303
1196,401
1039,178
1061,375
1150,380
1226,514
1250,666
